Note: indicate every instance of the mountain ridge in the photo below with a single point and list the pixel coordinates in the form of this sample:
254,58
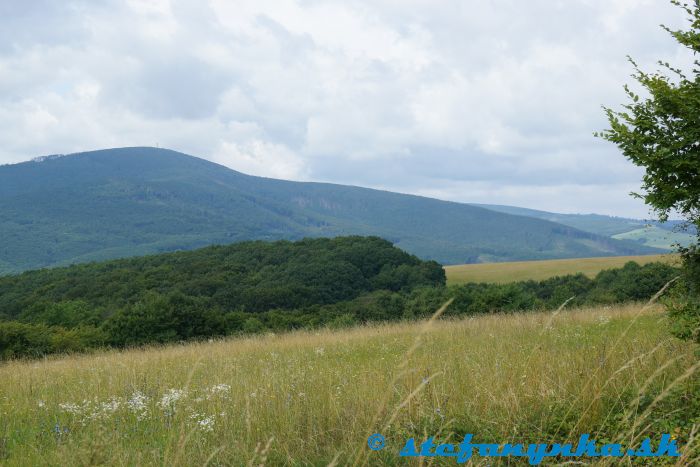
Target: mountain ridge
121,202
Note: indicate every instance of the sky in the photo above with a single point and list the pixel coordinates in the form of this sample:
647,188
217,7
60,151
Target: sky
483,101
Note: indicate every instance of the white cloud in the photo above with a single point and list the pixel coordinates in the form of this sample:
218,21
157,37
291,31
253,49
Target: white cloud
260,158
473,101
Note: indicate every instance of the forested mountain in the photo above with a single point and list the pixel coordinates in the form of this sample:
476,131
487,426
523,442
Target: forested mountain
125,202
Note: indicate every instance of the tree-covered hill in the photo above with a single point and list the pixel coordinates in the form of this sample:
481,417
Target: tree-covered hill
134,201
251,276
256,286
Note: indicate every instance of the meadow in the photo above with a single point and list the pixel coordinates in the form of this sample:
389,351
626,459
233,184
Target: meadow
503,273
313,397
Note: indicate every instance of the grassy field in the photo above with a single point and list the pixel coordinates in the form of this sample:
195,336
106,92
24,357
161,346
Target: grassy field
539,270
312,398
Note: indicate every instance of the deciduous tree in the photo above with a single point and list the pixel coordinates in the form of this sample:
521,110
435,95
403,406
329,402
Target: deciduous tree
660,131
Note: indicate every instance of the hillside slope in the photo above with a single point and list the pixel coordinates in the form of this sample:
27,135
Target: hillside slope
133,201
647,232
318,380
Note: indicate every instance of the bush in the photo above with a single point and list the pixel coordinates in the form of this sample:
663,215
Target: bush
164,318
345,320
253,326
36,340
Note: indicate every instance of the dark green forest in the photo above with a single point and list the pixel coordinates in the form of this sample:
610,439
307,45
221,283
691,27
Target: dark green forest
257,286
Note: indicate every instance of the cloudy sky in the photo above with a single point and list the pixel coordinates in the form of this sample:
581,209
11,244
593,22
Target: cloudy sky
490,101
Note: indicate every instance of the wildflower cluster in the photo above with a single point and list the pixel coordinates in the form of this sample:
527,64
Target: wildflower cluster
144,407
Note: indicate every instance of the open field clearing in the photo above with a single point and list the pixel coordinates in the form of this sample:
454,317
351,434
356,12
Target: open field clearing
314,397
538,270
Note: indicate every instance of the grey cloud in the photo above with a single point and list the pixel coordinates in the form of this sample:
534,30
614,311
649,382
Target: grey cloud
37,23
172,87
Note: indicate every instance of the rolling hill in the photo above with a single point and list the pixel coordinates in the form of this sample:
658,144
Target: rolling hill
112,203
647,232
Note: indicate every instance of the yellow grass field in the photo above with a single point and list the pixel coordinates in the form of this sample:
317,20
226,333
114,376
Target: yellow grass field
313,397
538,270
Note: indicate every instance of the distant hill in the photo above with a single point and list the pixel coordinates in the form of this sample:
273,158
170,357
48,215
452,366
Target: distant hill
647,232
134,201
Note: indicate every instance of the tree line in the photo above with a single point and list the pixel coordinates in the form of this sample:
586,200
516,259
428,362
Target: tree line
254,287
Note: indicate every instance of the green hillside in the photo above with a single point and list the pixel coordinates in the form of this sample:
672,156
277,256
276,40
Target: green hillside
651,233
135,201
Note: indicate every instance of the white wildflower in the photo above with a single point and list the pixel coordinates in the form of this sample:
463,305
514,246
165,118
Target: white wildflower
71,408
110,406
206,424
203,422
170,398
137,404
219,390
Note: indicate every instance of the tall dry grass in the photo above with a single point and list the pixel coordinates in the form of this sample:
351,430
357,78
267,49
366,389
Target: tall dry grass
312,398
